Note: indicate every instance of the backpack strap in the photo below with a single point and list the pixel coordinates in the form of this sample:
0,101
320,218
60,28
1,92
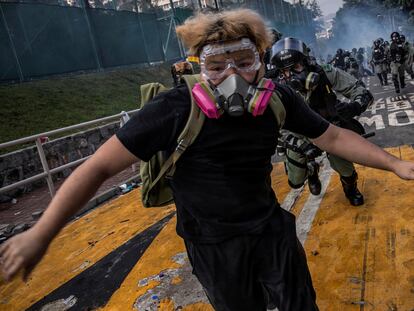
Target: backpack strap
188,135
192,128
278,109
149,90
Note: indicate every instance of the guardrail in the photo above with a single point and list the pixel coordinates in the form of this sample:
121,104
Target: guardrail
47,173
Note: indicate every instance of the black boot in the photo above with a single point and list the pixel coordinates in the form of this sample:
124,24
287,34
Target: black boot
385,78
402,81
380,78
314,183
396,83
349,184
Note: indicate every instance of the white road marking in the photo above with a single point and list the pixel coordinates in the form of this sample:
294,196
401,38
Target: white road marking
305,219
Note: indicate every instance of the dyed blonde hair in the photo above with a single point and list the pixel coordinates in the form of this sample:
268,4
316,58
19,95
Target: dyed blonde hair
205,28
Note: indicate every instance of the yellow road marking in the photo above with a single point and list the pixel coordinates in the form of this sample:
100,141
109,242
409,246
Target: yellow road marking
361,258
80,245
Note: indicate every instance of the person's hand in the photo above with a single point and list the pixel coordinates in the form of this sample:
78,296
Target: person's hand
404,169
348,110
21,252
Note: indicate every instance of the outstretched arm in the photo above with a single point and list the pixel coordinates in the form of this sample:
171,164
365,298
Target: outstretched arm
354,148
25,250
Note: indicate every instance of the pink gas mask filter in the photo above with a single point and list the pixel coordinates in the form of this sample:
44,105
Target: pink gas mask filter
233,96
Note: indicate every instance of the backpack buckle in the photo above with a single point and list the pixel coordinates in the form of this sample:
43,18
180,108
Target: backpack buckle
181,147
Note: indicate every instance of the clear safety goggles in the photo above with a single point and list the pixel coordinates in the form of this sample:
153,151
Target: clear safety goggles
217,59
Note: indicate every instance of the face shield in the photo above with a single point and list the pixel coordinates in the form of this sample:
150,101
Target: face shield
217,59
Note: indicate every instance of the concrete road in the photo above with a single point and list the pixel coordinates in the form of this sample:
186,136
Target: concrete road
122,256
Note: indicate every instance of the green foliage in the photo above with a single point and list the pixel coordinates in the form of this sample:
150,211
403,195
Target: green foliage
35,107
313,5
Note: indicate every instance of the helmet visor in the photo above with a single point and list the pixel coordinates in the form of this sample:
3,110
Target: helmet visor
217,59
289,44
287,52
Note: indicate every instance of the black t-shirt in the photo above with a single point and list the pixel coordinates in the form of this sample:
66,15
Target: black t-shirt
221,185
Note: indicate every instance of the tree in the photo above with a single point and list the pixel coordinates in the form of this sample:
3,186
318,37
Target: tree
313,5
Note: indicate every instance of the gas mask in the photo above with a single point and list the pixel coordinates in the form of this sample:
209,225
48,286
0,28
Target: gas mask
234,96
303,81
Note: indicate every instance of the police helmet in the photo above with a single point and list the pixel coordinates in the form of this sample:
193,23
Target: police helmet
287,52
339,51
395,36
402,38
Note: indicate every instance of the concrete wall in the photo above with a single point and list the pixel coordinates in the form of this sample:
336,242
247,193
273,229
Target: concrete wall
24,163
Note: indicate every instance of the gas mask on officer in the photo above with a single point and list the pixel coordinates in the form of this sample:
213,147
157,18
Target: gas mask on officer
302,81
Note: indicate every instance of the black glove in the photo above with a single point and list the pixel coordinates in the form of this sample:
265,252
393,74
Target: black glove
348,110
310,150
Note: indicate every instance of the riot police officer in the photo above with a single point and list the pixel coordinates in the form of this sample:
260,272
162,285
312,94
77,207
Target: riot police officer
354,52
397,55
338,60
379,62
270,71
351,65
409,56
318,84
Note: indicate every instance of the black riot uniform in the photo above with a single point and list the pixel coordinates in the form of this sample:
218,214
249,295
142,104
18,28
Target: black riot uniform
338,60
397,58
351,65
317,84
379,62
409,56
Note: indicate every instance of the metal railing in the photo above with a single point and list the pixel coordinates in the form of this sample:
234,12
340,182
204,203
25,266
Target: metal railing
47,173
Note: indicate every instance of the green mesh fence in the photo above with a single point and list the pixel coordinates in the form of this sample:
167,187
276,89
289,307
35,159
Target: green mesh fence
45,37
42,39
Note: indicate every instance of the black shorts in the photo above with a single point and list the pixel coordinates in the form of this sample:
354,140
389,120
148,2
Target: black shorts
256,272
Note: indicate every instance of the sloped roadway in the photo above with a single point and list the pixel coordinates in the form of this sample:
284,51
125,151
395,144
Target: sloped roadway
122,256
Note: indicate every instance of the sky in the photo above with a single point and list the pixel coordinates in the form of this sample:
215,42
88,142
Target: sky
329,6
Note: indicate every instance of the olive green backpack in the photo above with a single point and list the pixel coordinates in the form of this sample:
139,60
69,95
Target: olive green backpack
155,189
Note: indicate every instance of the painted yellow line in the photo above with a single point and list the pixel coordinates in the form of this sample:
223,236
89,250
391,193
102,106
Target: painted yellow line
362,258
157,260
80,245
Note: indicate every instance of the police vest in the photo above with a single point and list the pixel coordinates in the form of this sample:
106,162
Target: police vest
323,98
397,53
378,56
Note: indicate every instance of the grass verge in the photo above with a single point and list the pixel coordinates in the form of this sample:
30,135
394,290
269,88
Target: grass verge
34,107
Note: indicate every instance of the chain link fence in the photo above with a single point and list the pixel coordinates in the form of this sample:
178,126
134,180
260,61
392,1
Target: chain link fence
40,39
46,37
